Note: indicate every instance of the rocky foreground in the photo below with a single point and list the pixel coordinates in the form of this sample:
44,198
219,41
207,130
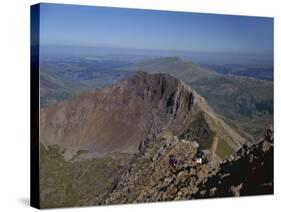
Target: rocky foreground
148,177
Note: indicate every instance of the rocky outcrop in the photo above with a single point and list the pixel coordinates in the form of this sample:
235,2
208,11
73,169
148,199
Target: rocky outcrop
121,117
248,172
149,176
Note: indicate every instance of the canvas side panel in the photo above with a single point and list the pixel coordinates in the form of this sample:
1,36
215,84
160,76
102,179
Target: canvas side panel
34,98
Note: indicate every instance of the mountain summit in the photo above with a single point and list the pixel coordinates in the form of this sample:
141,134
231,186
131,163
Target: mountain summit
176,67
123,117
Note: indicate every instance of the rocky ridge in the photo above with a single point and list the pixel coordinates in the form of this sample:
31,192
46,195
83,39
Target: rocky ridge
148,177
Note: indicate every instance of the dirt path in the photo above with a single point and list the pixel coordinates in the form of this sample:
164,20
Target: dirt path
214,145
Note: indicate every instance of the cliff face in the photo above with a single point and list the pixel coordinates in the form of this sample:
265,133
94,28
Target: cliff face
121,118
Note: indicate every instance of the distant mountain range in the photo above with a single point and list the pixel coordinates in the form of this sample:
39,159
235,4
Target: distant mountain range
133,54
183,70
63,78
259,72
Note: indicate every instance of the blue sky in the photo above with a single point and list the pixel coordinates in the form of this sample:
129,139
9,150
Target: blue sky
147,29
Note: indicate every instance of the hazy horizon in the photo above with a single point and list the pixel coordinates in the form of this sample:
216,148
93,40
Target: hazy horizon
194,56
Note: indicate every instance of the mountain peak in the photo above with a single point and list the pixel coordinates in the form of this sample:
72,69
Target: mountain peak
177,66
120,118
155,80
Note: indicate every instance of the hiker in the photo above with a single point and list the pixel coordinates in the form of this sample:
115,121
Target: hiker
199,155
173,160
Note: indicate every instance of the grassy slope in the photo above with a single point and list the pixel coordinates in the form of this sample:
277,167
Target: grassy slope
236,97
256,126
224,150
54,87
65,183
204,129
